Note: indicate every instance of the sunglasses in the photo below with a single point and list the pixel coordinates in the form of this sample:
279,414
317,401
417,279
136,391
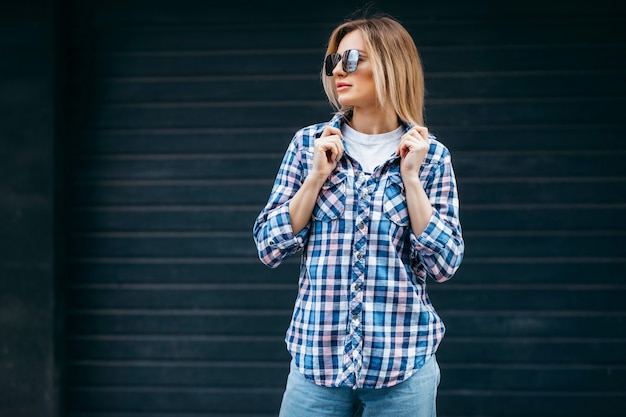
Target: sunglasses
349,61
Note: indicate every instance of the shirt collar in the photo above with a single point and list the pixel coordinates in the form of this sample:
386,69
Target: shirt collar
339,119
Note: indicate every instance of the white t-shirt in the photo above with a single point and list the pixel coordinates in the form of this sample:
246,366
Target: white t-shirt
371,150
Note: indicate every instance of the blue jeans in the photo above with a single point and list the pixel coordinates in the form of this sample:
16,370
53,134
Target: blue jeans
414,397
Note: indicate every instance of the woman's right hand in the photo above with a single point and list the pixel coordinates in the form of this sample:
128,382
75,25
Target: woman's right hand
327,150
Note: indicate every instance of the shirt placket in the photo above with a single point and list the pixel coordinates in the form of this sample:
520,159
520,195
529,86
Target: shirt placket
353,351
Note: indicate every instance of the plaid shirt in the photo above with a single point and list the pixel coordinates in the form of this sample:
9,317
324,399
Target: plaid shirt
362,316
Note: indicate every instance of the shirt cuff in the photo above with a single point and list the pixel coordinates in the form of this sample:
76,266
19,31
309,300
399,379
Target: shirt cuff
281,234
433,239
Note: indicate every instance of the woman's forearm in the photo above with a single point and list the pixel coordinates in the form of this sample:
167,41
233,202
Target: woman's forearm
302,203
419,206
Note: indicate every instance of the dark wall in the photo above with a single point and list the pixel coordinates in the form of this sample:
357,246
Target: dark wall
177,115
187,109
31,364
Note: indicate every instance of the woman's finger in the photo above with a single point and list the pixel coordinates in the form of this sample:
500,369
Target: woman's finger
329,131
421,131
407,143
334,149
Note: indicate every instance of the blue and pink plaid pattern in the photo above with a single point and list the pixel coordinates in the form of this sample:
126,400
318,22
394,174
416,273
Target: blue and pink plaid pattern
362,316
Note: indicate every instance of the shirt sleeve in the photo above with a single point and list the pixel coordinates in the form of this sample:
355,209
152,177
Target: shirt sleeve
272,231
440,247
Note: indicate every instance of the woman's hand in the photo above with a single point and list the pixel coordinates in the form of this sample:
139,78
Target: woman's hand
327,151
413,148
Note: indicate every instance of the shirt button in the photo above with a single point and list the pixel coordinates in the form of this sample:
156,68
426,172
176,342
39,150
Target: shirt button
359,256
357,286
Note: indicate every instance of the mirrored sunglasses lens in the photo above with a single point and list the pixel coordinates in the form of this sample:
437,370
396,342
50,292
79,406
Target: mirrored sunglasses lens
331,62
350,60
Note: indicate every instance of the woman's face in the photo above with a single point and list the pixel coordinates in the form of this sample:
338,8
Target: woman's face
355,89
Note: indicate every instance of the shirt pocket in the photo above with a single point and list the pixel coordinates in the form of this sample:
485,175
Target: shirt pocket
394,201
331,202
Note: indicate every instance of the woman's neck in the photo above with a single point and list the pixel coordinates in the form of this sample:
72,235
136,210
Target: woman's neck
375,121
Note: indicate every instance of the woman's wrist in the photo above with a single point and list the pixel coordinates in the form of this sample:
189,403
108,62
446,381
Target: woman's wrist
411,180
316,179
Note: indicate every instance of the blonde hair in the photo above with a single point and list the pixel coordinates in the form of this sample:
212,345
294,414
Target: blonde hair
396,66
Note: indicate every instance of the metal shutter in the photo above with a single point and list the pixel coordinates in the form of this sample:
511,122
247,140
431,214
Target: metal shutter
182,111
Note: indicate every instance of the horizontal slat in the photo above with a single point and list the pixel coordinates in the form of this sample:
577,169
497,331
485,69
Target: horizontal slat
164,414
509,245
539,323
249,61
605,352
265,297
567,191
213,115
180,374
190,37
198,271
537,164
182,218
572,379
456,403
179,348
588,351
536,403
269,88
491,85
242,14
446,86
273,375
273,114
159,246
448,297
461,322
246,166
545,246
180,167
223,192
498,191
241,219
263,400
308,61
540,218
474,138
512,30
538,271
182,322
521,272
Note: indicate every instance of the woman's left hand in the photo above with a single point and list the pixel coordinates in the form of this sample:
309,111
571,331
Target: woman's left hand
413,148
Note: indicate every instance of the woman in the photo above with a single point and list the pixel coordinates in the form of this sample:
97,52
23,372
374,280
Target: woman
370,199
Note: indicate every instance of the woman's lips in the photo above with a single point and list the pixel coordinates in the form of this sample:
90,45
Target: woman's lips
342,86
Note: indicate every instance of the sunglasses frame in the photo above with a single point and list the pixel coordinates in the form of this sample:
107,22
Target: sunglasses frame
349,61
